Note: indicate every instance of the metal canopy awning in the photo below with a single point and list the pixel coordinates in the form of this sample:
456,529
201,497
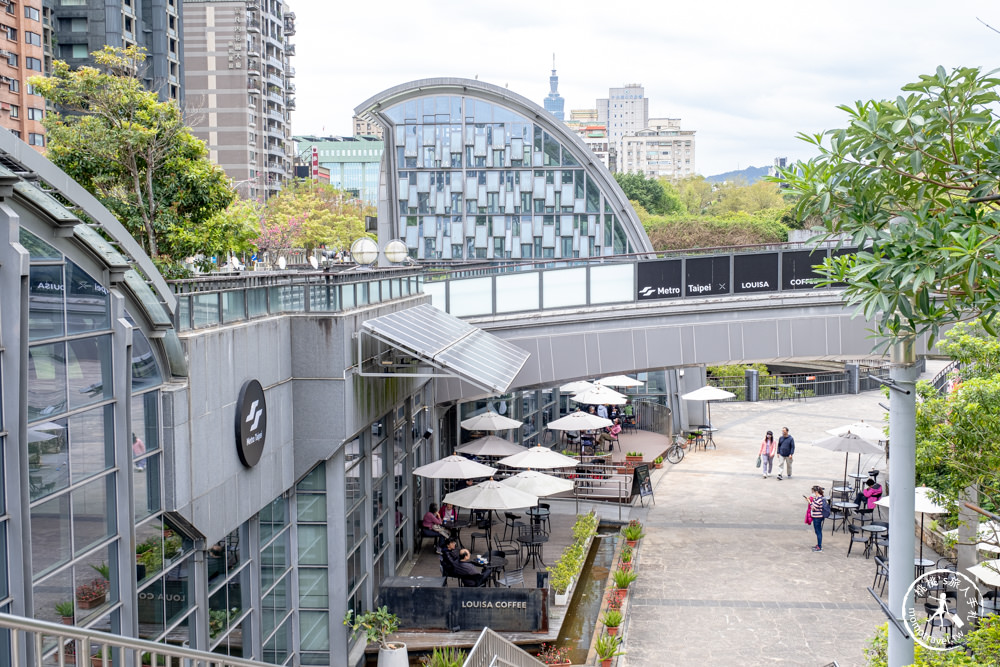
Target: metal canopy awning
424,337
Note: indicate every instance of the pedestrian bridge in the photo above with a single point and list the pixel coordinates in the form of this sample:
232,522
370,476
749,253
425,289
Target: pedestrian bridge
603,317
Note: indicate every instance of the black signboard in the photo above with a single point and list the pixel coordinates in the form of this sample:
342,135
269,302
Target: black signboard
755,273
660,279
251,422
706,276
797,268
434,607
640,481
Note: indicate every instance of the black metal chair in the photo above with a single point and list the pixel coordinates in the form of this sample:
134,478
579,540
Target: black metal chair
856,536
881,574
510,523
508,547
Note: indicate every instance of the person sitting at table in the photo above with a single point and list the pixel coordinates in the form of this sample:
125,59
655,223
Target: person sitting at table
869,495
609,434
458,563
447,513
432,524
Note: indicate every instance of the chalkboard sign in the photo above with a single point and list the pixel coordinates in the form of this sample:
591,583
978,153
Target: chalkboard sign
640,481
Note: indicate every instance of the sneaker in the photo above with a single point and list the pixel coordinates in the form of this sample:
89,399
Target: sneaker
779,476
764,476
817,548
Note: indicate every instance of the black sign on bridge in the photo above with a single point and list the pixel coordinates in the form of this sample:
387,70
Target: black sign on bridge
707,276
659,280
797,268
755,273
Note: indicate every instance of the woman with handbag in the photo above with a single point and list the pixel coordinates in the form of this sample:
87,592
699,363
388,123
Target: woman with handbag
765,458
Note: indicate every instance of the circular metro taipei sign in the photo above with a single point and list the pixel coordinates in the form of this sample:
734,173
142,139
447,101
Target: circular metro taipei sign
251,422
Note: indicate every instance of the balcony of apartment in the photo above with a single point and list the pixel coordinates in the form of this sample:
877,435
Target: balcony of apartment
275,96
253,25
274,39
253,85
289,25
289,87
276,64
253,66
276,115
289,49
290,103
289,72
275,80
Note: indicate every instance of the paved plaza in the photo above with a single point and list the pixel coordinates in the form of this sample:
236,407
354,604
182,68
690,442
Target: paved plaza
727,574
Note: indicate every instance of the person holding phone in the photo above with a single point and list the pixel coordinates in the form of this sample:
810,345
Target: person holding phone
817,511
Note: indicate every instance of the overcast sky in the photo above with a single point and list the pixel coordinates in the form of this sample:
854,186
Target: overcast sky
746,76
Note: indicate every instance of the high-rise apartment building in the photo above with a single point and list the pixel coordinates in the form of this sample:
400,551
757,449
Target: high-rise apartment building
366,128
239,85
84,26
624,111
21,57
662,150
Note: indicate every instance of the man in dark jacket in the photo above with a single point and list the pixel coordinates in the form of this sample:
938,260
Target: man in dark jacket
786,447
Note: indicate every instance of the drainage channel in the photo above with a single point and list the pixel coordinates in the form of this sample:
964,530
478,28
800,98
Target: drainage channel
582,616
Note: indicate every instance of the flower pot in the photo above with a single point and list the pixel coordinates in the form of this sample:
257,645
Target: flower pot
612,630
562,599
96,661
564,663
632,543
657,466
91,603
606,662
619,594
395,656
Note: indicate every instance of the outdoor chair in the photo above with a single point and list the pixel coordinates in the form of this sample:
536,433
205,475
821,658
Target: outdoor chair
934,621
881,574
477,536
882,540
510,523
856,536
508,547
511,577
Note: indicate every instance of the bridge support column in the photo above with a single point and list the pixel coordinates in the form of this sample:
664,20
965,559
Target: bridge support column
751,382
853,378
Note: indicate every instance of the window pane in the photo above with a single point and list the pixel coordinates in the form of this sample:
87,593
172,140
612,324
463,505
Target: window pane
50,534
146,486
36,247
92,519
314,630
45,302
88,303
145,371
88,370
91,437
48,458
312,545
314,587
311,507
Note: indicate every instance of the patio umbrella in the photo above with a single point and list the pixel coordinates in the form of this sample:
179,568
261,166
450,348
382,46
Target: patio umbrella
454,467
923,503
600,395
987,572
849,443
576,387
490,495
538,483
872,434
490,421
539,457
708,394
620,381
579,421
490,445
987,536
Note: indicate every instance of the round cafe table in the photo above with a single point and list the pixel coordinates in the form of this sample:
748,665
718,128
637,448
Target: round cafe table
858,478
846,507
873,532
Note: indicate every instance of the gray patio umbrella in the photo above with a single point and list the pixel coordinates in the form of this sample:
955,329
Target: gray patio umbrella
490,445
924,503
490,495
454,467
849,443
490,421
708,393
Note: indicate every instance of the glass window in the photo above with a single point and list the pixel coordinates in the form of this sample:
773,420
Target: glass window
93,521
314,587
46,380
272,519
34,138
48,458
88,303
145,370
88,370
45,302
31,13
32,38
50,534
314,631
91,437
36,247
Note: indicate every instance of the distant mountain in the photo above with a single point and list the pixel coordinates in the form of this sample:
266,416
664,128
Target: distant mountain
749,175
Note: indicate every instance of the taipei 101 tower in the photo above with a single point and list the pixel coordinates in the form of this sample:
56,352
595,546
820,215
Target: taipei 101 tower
554,103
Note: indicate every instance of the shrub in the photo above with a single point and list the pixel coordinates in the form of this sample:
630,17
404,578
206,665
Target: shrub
377,625
612,618
446,656
607,646
633,531
624,578
553,655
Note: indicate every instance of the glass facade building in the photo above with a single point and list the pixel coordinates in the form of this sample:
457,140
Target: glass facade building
353,162
473,171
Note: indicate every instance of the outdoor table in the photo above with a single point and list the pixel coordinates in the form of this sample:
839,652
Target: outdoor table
707,432
533,544
414,582
846,507
873,532
538,516
857,477
495,563
920,566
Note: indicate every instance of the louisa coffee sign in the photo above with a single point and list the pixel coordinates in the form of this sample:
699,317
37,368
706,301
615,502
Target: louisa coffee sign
251,422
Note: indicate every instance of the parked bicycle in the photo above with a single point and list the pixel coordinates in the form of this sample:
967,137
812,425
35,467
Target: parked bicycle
676,451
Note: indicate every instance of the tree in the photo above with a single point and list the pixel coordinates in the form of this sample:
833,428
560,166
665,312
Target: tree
133,152
695,193
913,182
741,198
234,230
651,194
325,215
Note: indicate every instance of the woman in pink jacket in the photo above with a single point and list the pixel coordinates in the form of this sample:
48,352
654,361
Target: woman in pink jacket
768,448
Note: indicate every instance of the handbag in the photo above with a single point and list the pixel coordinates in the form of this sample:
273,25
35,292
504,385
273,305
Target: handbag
809,516
758,461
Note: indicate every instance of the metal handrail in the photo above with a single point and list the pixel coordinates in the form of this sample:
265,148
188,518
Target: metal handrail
29,636
492,649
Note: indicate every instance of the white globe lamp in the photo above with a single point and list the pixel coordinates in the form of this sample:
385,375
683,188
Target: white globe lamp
395,251
364,251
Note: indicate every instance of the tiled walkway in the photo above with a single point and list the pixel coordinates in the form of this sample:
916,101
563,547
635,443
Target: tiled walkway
727,574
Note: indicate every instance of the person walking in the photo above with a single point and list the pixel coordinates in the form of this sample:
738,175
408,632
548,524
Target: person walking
786,447
817,512
768,448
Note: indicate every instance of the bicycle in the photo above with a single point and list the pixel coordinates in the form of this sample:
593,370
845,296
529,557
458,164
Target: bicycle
675,454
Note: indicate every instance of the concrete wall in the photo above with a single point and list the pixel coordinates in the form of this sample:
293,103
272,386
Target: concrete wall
314,403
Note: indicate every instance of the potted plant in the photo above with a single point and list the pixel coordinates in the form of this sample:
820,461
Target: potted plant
378,625
65,610
103,569
611,619
623,579
607,648
446,656
554,655
628,553
633,457
218,620
633,533
92,595
98,659
148,661
658,462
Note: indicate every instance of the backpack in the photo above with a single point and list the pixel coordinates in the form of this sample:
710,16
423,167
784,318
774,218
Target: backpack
826,508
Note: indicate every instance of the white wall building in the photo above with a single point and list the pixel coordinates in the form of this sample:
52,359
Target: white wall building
624,112
662,149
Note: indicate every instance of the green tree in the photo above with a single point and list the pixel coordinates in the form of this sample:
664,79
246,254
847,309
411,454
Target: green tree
133,152
913,182
696,193
742,198
230,230
326,215
651,194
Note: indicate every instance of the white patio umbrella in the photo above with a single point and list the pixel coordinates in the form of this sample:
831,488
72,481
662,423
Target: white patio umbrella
454,467
708,394
600,395
538,483
987,572
490,421
620,381
849,443
987,536
578,421
490,445
872,434
576,387
923,503
539,457
490,495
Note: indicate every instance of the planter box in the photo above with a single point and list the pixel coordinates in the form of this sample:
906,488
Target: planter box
562,599
92,603
633,459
